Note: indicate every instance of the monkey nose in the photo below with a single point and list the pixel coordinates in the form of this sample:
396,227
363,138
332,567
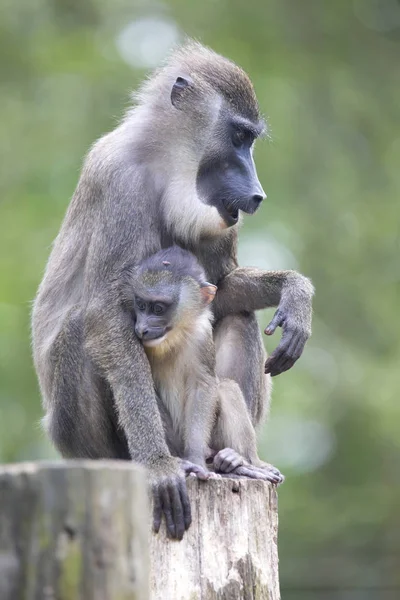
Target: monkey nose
140,332
255,201
258,198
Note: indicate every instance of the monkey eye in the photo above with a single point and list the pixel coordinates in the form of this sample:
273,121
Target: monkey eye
242,137
159,309
140,304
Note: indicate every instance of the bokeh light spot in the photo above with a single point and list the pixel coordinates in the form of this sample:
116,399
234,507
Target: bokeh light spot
265,252
299,444
145,42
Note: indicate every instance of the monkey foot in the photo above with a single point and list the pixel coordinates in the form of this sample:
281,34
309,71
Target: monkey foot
267,468
253,472
229,462
196,470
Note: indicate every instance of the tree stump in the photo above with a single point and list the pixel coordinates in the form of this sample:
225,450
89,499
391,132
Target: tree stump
230,550
74,530
80,530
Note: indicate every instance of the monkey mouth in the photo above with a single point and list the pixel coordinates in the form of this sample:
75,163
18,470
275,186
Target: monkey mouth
154,341
230,214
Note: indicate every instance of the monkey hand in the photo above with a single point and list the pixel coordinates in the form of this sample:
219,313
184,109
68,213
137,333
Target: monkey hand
170,498
294,316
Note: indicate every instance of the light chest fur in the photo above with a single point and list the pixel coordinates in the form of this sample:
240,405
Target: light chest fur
176,367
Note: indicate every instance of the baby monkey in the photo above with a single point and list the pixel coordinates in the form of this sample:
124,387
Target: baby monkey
204,418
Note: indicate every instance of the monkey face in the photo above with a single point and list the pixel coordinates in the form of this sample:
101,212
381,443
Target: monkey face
170,292
216,119
153,320
227,177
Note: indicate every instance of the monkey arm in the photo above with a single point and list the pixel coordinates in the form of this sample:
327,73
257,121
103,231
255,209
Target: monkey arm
112,345
247,289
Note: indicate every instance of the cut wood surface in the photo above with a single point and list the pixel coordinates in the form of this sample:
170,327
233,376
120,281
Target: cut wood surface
81,530
230,550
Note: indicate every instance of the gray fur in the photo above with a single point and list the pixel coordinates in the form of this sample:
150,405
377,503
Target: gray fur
181,353
203,415
137,193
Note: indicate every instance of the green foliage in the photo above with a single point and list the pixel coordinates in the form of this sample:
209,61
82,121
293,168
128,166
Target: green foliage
327,75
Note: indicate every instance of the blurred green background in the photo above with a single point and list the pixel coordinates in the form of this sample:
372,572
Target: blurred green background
327,75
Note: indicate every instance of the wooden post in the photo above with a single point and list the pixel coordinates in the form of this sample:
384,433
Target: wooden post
230,550
75,530
80,530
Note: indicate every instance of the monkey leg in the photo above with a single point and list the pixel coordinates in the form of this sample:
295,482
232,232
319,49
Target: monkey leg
176,447
240,356
80,417
234,439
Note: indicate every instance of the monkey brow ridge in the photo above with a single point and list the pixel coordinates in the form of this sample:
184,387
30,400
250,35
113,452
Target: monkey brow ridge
257,128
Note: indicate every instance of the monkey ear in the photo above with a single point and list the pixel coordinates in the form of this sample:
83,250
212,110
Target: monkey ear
208,291
178,90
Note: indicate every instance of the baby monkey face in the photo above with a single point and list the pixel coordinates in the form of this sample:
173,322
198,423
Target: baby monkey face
168,291
153,319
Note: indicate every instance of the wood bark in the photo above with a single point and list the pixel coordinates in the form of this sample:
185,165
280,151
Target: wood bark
81,530
74,530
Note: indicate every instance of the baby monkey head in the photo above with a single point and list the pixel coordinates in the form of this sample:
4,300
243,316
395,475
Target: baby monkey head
170,296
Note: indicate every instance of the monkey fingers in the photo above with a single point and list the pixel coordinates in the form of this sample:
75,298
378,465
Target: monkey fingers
265,474
268,467
289,349
177,511
167,509
170,497
277,321
187,511
227,460
197,470
273,472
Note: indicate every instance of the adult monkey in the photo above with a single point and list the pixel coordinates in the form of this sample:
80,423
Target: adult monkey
178,169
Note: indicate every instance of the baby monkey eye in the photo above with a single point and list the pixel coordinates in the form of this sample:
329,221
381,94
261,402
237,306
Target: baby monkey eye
140,304
159,309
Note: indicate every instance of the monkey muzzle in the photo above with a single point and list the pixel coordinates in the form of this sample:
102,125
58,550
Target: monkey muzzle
230,210
150,336
230,214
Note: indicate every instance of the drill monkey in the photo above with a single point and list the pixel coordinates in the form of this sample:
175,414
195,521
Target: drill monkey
178,169
169,297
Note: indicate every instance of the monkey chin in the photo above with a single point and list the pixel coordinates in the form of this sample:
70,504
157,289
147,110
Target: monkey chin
156,342
223,225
